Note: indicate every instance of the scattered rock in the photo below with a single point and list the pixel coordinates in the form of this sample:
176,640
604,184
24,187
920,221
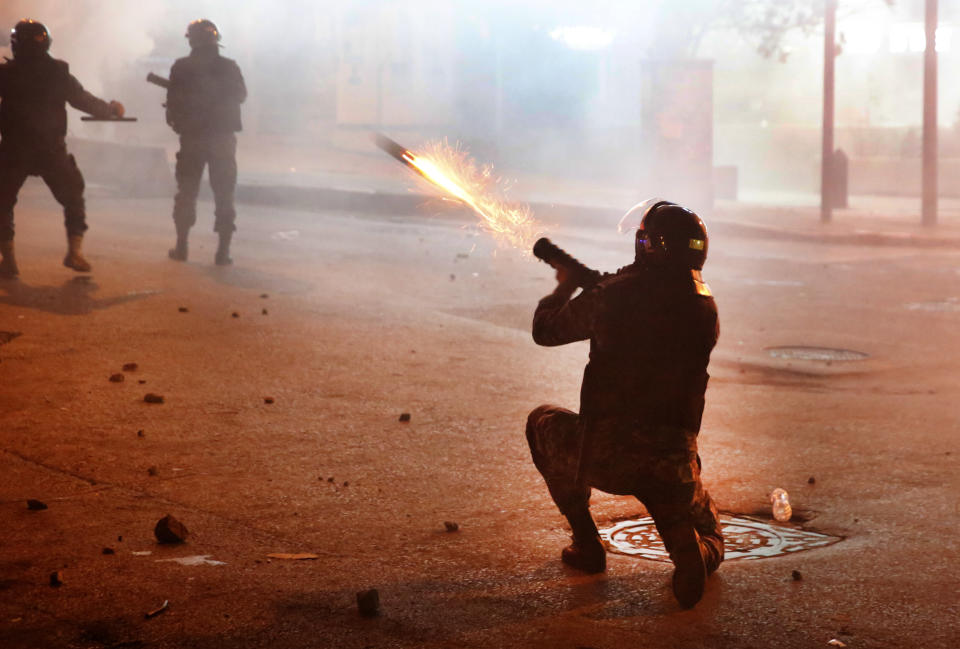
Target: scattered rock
183,309
130,367
797,575
141,381
836,643
368,602
346,484
152,471
36,505
117,378
452,277
405,417
268,400
811,480
330,480
108,551
463,255
56,579
264,312
169,530
234,315
120,538
451,526
140,433
150,397
264,296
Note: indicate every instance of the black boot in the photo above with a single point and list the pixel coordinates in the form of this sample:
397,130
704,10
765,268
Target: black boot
8,266
222,258
179,252
690,570
587,552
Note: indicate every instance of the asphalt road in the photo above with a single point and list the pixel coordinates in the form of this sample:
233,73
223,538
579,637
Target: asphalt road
346,321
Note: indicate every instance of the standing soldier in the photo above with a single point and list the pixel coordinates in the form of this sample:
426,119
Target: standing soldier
34,91
203,108
651,326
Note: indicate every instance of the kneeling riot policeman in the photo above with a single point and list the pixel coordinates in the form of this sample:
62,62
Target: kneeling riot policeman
34,91
651,326
203,108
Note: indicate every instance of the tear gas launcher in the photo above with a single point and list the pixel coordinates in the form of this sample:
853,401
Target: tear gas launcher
551,253
157,80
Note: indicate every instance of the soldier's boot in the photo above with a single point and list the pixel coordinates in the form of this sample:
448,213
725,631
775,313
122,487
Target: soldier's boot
74,258
179,251
222,258
587,552
690,569
8,265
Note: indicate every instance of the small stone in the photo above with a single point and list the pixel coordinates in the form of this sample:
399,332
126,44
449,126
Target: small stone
451,526
183,309
234,315
140,433
368,602
130,367
152,471
36,505
811,480
117,378
56,579
169,530
264,296
263,311
150,397
108,551
120,538
452,277
405,417
141,381
268,400
346,483
797,576
330,480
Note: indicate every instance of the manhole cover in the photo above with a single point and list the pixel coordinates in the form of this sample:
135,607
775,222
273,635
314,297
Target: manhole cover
744,538
803,353
7,336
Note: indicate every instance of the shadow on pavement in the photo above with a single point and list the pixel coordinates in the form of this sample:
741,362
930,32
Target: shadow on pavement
74,297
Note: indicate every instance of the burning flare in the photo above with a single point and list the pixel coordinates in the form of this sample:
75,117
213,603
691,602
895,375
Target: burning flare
452,170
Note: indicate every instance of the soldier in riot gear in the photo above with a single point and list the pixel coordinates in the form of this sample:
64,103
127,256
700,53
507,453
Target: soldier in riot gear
34,91
203,108
651,326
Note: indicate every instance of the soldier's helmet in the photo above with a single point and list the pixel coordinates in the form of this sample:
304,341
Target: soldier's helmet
29,38
667,234
202,33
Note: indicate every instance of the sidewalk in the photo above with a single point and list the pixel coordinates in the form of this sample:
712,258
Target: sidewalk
337,179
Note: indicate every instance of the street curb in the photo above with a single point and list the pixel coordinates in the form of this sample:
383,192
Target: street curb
325,199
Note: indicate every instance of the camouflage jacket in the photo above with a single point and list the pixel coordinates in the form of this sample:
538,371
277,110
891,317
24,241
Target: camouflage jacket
651,332
205,94
34,94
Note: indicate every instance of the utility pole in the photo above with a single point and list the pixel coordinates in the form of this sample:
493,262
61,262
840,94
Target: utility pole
826,155
928,209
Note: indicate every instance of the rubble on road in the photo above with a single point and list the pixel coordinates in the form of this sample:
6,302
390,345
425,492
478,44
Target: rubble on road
797,575
183,309
56,579
150,397
451,526
130,367
117,378
108,551
268,400
405,417
368,602
169,530
36,505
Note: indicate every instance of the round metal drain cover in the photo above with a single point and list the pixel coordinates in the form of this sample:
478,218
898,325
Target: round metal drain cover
744,538
803,353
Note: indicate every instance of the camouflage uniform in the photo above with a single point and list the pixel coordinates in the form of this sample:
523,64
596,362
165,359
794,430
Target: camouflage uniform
650,334
203,107
34,93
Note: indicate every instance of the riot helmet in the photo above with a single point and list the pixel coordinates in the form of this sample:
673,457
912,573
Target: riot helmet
667,234
202,33
29,38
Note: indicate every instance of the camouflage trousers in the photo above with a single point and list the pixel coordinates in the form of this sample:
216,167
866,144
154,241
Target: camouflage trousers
659,466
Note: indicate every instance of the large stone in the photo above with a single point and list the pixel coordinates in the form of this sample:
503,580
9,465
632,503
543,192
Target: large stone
170,530
368,602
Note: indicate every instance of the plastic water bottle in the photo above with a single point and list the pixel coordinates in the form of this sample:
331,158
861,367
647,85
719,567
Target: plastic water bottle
782,511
